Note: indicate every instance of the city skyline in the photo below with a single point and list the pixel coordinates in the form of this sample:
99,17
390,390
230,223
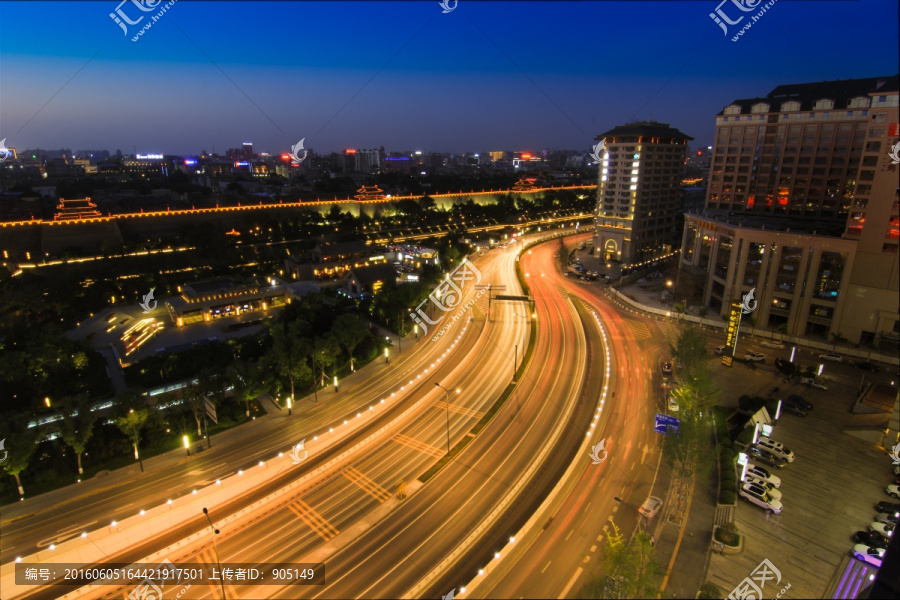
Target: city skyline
403,75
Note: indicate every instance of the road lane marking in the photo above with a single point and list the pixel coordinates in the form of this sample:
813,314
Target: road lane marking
460,410
315,521
616,508
594,548
366,484
570,535
545,566
417,445
571,583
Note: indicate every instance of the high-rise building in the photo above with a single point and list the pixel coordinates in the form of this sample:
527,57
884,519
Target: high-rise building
794,152
808,218
367,161
639,194
247,151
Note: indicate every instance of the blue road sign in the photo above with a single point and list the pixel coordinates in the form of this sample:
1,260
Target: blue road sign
664,422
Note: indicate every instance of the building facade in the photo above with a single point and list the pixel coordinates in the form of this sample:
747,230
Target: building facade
802,208
639,194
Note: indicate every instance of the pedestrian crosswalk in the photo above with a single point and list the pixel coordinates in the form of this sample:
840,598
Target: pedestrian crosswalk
638,329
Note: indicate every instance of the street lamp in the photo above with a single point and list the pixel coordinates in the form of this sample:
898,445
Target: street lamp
290,402
187,445
137,454
335,384
448,413
386,360
215,549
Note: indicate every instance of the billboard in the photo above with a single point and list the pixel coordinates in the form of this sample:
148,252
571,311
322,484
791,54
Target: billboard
731,333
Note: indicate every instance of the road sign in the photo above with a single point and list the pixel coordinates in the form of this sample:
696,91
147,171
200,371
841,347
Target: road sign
210,410
665,422
522,298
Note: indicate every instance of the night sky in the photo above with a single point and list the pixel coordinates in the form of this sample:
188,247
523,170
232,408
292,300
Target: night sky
487,76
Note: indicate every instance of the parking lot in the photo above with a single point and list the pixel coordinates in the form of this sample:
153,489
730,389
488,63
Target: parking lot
829,491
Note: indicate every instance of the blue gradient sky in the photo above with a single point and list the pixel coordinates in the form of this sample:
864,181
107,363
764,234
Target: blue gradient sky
487,76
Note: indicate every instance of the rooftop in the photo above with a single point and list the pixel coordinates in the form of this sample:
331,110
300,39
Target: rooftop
772,223
807,94
653,129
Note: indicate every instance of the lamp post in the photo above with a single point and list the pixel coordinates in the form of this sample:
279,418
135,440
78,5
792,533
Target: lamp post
216,550
290,402
187,444
448,414
516,352
386,359
137,453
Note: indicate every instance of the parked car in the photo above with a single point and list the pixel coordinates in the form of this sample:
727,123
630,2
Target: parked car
667,368
868,554
720,349
793,409
776,448
869,538
755,357
767,487
814,383
888,518
673,406
887,507
759,497
761,473
885,529
832,357
772,344
650,507
893,491
766,458
865,365
799,401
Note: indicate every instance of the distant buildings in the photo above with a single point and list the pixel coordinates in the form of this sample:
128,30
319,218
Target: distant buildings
639,196
803,208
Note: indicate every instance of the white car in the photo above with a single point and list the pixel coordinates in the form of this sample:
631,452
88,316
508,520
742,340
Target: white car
720,349
893,491
759,497
885,529
650,507
814,383
761,473
776,448
673,406
768,487
868,554
888,518
832,357
770,344
755,357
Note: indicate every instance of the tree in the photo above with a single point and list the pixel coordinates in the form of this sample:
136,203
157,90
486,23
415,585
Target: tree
350,331
289,352
130,424
246,381
630,570
77,424
325,352
19,445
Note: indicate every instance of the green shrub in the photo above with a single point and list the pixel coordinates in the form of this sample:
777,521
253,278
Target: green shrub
728,483
727,497
745,436
709,591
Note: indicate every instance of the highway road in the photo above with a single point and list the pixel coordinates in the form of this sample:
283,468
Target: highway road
406,453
